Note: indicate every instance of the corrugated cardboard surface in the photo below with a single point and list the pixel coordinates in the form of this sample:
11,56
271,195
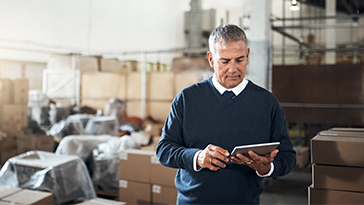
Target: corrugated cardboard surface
183,80
30,197
103,85
338,177
159,110
345,129
134,192
160,174
35,142
337,149
161,86
135,165
5,154
88,63
14,115
6,91
325,196
21,88
111,65
7,191
101,201
191,64
164,194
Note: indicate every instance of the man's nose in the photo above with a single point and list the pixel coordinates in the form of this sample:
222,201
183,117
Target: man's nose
233,67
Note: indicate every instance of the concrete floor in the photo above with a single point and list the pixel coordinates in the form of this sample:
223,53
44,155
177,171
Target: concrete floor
290,189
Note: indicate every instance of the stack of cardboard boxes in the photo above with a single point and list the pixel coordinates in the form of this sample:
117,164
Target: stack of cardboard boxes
128,87
337,167
143,180
13,105
14,120
13,114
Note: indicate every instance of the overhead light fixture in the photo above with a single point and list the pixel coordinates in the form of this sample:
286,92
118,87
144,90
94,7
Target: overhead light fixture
294,6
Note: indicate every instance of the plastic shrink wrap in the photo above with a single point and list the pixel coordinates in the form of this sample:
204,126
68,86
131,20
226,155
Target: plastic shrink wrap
65,176
105,162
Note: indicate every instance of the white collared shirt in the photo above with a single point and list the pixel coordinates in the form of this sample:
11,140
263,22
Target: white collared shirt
236,90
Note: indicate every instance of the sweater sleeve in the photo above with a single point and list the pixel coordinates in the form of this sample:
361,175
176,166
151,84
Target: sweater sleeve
285,160
171,149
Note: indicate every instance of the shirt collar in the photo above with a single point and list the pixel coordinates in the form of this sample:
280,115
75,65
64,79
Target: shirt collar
236,90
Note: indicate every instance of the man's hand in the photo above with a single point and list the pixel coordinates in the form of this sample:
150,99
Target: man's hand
213,157
259,163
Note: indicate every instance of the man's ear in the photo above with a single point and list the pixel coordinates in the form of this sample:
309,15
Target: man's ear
210,58
247,53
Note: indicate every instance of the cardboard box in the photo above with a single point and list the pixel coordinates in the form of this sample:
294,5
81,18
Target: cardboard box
6,91
101,201
134,86
109,85
135,165
334,148
148,66
133,109
8,142
21,88
164,194
14,116
58,173
159,67
302,156
35,142
88,63
134,192
161,175
191,64
111,65
326,196
159,110
338,178
183,80
346,129
7,191
161,86
11,129
30,197
6,154
129,66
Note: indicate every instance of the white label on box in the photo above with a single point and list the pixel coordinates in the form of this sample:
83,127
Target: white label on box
154,160
156,189
123,184
123,156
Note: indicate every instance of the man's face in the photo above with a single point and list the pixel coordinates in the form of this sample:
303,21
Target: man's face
229,62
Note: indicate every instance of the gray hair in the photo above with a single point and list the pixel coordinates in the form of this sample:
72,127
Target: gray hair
226,33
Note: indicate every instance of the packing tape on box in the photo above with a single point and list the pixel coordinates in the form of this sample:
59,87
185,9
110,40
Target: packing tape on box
123,156
154,160
156,189
123,184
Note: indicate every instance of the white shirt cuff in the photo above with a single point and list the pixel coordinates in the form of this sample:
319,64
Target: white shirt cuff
269,173
195,167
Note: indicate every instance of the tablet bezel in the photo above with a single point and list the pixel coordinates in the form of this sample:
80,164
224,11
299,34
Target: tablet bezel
260,149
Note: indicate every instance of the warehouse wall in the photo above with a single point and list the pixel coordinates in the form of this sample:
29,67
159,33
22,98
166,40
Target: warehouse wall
96,26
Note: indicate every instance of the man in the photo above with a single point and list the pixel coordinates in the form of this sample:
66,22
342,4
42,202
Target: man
204,126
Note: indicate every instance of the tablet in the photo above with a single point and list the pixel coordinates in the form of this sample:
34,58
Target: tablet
260,149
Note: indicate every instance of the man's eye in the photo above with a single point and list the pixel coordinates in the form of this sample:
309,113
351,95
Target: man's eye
225,62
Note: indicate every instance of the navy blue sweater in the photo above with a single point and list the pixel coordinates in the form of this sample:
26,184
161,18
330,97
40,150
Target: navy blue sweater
199,116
